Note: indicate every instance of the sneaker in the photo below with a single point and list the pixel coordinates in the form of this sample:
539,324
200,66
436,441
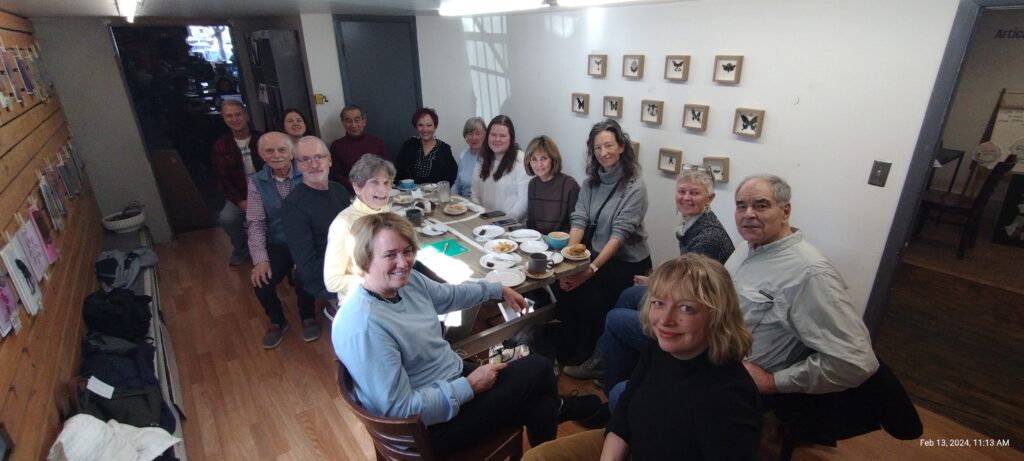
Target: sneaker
329,310
272,338
238,259
575,407
598,420
590,369
310,330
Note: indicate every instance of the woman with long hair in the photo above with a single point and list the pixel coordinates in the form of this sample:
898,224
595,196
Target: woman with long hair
500,181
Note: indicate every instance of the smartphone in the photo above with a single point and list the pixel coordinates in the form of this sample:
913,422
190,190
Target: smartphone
515,227
492,214
509,314
505,222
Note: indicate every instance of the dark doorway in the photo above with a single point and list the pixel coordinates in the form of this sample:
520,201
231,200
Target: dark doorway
380,72
177,76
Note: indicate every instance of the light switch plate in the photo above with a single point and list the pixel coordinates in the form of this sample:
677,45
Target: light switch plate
879,173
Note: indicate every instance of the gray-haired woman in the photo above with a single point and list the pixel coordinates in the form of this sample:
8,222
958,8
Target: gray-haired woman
473,131
371,178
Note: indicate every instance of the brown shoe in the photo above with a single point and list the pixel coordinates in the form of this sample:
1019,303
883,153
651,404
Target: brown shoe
310,330
274,335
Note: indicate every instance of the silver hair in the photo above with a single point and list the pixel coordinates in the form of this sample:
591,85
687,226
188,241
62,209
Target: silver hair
287,140
367,166
474,124
233,102
698,176
780,188
321,146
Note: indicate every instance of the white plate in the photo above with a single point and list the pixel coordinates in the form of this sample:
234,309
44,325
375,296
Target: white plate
524,235
500,261
453,209
507,277
533,246
488,231
555,256
545,275
402,199
501,246
586,255
432,230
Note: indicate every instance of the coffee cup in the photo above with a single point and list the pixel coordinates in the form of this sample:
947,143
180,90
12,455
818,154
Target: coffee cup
539,263
407,183
415,216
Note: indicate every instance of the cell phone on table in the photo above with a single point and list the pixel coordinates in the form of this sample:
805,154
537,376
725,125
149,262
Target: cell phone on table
509,314
515,227
492,214
505,222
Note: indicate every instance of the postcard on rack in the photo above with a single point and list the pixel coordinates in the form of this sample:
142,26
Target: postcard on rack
39,222
35,251
24,283
8,305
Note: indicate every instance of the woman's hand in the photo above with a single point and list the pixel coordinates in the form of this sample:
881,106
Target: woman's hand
514,300
484,376
260,274
764,381
640,280
573,281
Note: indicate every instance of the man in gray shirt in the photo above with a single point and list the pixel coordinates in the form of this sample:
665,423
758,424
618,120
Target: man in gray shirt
808,337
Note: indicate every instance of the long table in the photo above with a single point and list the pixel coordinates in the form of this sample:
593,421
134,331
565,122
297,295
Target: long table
466,266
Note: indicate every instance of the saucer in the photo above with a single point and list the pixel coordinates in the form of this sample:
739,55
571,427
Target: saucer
545,275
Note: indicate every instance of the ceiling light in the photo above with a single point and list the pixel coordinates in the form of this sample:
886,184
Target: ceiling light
127,8
473,7
584,3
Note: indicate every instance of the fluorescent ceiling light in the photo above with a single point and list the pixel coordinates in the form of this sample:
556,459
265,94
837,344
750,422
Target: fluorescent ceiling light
576,3
472,7
127,8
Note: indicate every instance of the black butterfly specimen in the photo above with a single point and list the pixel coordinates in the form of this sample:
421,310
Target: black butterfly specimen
729,67
749,122
633,66
695,114
652,110
677,66
579,103
613,105
26,274
597,65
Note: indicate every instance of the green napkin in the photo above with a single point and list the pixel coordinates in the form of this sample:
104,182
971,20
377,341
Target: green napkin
454,249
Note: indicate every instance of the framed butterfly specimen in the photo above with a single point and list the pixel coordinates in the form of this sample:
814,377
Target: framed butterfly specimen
581,103
670,160
728,69
597,65
613,106
651,111
719,168
695,117
636,148
748,122
677,67
633,66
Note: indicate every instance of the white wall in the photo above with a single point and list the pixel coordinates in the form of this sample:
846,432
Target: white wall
80,56
991,65
324,72
843,83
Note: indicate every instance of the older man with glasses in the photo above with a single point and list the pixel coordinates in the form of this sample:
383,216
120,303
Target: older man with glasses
308,212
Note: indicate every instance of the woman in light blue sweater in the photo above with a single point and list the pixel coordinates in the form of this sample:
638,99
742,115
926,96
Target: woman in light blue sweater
388,336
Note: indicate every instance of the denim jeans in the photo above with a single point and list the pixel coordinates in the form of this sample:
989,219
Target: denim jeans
232,220
622,341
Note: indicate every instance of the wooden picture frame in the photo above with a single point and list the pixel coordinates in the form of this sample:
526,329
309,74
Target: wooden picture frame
670,160
597,65
581,103
748,122
718,167
728,69
636,148
633,66
651,111
677,67
695,116
612,106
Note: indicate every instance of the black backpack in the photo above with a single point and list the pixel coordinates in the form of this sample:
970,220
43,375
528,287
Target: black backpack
119,313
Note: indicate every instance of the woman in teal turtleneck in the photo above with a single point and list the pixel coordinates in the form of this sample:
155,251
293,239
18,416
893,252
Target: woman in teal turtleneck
609,219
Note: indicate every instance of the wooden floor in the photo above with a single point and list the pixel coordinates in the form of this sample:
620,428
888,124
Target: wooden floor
245,403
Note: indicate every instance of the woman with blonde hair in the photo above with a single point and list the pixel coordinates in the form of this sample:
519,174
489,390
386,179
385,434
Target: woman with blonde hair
690,396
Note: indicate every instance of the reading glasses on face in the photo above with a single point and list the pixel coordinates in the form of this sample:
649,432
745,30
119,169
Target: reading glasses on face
314,159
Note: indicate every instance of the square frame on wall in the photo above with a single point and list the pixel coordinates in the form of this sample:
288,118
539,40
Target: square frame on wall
748,122
670,160
651,111
612,106
677,67
718,167
581,103
633,66
695,116
597,65
728,69
636,148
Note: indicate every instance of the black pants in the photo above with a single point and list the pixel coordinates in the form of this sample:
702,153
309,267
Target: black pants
281,265
582,310
525,393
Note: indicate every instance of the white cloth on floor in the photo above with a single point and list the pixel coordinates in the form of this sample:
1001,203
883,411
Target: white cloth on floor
87,438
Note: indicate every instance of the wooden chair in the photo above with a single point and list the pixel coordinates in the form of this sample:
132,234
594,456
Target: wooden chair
400,439
969,207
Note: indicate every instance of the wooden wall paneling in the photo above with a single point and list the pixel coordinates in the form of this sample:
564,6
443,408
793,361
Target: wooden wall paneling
14,23
18,169
16,129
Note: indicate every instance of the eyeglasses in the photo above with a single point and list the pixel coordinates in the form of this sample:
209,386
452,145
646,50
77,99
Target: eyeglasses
311,160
